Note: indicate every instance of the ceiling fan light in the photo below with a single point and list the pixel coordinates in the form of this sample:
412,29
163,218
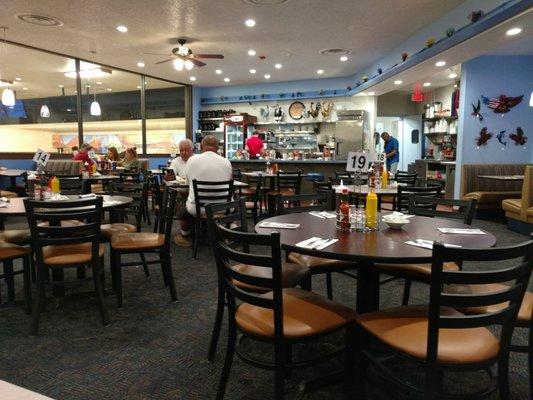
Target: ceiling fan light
8,97
95,109
188,65
45,111
178,64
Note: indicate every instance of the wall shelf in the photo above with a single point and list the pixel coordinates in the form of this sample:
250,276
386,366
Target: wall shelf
294,123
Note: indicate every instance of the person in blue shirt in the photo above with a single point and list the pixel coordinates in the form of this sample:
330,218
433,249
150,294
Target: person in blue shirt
392,152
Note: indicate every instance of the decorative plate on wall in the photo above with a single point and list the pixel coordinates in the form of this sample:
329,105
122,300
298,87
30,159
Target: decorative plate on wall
297,110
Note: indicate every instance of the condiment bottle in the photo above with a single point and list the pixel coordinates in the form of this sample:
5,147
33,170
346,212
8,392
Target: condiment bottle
93,168
384,176
371,176
344,210
54,185
371,210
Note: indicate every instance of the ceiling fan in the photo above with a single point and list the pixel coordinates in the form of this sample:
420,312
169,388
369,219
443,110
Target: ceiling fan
183,57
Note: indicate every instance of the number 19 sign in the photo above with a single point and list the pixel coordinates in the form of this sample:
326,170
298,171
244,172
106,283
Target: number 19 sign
358,161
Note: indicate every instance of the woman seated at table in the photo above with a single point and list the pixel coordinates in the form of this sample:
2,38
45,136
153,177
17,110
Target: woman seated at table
112,154
131,160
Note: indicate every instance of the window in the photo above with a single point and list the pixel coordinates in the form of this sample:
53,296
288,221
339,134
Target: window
165,116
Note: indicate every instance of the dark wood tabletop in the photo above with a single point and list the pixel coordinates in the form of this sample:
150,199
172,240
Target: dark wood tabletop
384,245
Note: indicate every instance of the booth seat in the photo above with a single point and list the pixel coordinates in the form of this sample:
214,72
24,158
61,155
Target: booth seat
64,167
521,209
490,193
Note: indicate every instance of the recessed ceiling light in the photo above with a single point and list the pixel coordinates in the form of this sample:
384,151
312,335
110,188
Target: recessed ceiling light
90,73
61,86
218,71
109,89
344,58
140,64
319,71
192,78
453,75
278,66
253,71
24,88
250,23
426,84
513,31
267,76
371,93
122,28
87,85
227,79
98,83
18,79
440,63
398,82
251,52
138,87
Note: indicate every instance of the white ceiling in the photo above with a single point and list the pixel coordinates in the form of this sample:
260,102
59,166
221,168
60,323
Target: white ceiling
291,33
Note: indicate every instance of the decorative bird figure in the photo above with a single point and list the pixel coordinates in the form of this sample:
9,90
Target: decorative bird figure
326,109
501,136
484,137
502,104
313,112
519,138
476,112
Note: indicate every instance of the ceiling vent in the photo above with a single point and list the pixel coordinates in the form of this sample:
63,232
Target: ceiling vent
334,52
41,20
264,2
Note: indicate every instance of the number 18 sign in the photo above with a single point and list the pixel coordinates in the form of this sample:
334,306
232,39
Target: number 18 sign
358,161
41,157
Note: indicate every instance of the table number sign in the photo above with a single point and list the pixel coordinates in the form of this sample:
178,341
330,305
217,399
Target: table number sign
173,155
357,161
41,157
91,154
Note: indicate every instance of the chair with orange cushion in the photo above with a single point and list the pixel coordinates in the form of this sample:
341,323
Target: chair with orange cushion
60,246
9,253
438,338
283,317
147,242
234,214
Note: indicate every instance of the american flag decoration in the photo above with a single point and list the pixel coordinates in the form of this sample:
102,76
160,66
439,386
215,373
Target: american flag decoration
501,104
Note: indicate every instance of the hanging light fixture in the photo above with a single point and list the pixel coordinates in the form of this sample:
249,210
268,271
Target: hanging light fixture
95,108
188,65
8,95
178,64
45,111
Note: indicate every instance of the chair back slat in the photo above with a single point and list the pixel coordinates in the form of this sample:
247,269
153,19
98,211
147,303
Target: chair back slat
427,207
302,203
131,177
408,178
402,200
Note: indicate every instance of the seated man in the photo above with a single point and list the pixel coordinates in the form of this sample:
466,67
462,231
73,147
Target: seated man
179,163
83,154
207,166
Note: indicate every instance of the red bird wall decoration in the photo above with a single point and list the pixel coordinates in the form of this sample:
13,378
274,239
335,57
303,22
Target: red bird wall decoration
502,104
484,137
519,138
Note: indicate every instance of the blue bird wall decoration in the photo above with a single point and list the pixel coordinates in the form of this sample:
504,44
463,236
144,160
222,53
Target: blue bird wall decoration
501,136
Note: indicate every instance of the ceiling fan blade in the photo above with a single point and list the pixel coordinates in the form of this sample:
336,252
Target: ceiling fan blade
158,54
198,63
164,61
219,56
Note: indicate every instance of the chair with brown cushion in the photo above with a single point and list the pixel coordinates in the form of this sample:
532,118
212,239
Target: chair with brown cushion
283,317
8,194
9,253
317,265
207,192
427,206
57,247
147,242
438,338
233,214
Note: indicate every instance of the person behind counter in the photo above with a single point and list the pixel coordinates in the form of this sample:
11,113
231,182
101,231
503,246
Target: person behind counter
179,163
131,160
392,152
112,154
83,154
254,145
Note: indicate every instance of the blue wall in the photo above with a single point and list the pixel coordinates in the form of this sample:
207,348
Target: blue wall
492,76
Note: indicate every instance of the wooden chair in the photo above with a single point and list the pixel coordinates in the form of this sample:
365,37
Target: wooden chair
147,242
130,177
207,192
427,206
287,183
282,317
440,339
407,178
9,253
317,265
253,200
71,185
327,188
402,199
234,214
57,247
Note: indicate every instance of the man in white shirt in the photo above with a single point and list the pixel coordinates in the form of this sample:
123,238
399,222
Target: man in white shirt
179,163
207,166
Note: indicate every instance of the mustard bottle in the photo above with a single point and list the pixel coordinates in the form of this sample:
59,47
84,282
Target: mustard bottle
371,210
384,177
54,185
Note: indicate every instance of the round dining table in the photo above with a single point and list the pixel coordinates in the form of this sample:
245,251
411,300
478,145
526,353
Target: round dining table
384,245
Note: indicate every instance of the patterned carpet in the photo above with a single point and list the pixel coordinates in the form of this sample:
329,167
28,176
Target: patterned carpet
157,350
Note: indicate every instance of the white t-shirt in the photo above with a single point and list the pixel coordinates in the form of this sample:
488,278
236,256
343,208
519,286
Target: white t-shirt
178,165
208,166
